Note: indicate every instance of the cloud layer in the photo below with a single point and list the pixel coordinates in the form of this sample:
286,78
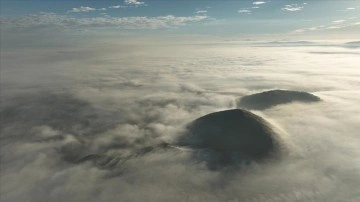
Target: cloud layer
86,120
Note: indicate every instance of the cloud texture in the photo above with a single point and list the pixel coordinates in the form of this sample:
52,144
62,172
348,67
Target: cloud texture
96,121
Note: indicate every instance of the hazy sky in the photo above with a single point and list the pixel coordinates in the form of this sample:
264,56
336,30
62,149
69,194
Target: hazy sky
173,17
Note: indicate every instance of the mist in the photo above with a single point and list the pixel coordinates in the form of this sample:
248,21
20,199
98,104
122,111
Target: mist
99,120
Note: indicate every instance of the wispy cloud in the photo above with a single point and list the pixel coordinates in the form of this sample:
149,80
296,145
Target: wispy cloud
258,2
339,21
201,12
82,9
134,2
351,23
117,6
244,11
52,20
292,7
248,10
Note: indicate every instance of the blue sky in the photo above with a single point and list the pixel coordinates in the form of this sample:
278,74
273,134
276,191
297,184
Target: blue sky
204,17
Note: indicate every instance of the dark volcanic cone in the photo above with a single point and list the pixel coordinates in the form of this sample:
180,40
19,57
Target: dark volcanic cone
268,99
231,136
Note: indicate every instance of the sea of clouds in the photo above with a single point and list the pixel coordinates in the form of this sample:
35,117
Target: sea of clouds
92,120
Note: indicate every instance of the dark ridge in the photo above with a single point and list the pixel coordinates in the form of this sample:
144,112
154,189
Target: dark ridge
286,43
88,158
291,42
104,161
352,44
268,99
334,53
229,137
63,112
148,149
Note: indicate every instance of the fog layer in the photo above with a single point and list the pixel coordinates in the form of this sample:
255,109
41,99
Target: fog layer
99,121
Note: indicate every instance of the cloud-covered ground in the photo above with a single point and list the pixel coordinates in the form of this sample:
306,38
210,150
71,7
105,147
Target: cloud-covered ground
92,120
